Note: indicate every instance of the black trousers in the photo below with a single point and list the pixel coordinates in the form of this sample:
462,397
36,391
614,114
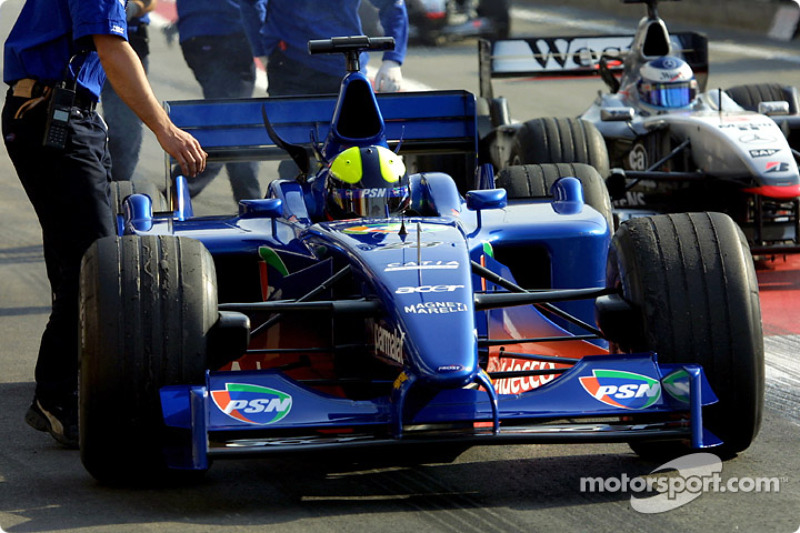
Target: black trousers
287,78
223,65
69,190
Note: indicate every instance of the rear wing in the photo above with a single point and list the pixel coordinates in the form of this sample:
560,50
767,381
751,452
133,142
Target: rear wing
233,130
548,57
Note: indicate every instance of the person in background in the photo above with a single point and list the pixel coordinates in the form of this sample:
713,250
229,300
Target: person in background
216,49
57,57
279,31
124,127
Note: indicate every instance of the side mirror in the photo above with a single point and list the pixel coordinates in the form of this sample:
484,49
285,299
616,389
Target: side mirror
780,107
616,114
261,208
137,213
616,183
487,199
567,196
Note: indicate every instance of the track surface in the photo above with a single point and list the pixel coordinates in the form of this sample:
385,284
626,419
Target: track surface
515,488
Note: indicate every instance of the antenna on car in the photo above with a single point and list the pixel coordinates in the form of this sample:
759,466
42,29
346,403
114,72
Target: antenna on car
652,9
315,144
298,153
400,140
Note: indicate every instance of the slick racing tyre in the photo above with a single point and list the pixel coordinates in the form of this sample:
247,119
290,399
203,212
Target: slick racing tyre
749,96
497,11
535,181
147,304
560,140
691,282
122,189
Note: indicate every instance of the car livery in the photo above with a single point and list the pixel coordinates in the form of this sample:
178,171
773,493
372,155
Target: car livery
469,318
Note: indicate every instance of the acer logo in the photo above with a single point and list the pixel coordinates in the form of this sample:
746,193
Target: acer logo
428,288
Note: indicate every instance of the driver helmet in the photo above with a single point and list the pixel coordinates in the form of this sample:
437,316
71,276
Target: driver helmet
367,182
667,82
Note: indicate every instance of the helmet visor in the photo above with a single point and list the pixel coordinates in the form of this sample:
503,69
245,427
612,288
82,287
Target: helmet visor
676,94
370,203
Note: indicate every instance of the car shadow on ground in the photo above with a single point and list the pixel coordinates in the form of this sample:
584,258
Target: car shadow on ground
43,487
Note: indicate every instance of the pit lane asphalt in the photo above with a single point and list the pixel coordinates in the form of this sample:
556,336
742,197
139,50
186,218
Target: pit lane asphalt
515,488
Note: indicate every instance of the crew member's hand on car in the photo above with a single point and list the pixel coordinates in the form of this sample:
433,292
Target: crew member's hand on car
389,77
126,75
184,148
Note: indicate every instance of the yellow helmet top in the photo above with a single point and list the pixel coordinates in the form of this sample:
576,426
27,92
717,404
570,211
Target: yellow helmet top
351,165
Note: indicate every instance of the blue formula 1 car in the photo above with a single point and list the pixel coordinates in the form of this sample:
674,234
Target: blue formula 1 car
361,305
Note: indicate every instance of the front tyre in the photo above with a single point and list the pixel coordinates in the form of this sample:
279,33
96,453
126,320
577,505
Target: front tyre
147,304
750,95
691,280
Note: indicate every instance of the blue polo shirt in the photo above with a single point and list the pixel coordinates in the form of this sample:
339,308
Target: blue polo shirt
289,24
50,32
202,18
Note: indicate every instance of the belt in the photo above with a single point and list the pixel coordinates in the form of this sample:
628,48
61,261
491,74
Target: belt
30,89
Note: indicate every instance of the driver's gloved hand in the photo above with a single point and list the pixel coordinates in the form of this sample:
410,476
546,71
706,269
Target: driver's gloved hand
389,78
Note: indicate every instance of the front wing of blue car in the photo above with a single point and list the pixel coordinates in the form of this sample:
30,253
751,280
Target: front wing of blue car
617,398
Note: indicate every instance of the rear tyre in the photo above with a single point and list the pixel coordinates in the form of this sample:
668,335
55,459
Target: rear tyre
560,140
691,280
147,304
535,181
749,96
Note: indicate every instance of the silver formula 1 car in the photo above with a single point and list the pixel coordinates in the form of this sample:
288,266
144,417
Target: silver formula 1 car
664,143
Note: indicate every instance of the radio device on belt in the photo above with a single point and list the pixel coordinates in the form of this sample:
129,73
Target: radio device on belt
58,112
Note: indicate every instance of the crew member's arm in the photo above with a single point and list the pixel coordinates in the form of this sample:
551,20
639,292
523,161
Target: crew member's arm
126,75
394,19
253,14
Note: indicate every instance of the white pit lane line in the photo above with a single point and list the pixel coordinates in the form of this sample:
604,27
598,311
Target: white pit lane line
782,393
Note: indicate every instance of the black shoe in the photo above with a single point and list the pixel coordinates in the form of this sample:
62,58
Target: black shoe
61,422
